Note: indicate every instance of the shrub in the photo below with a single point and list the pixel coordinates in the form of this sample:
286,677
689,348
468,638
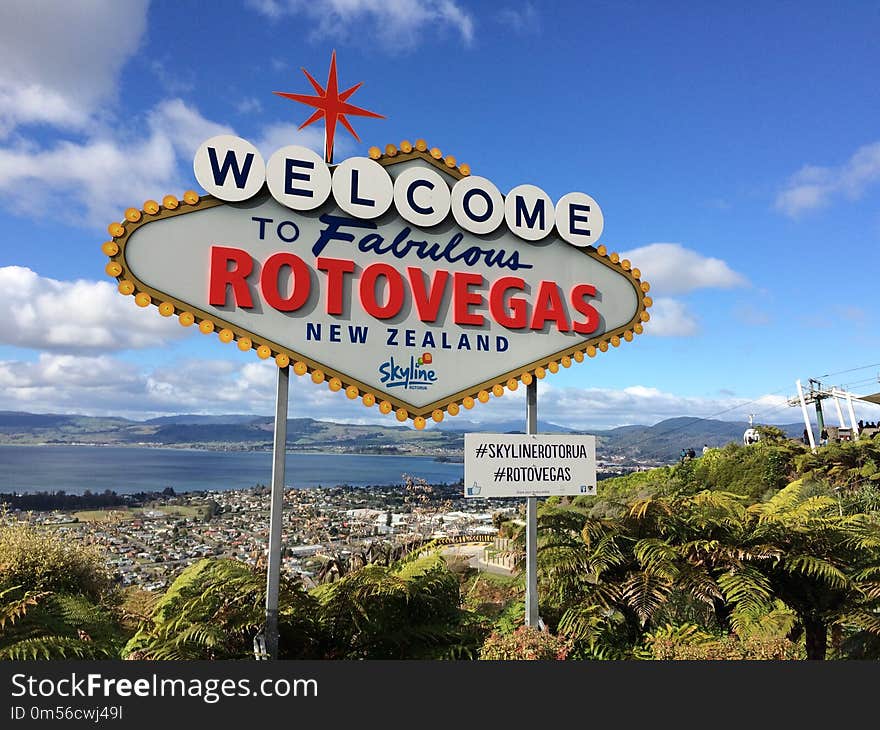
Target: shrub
214,608
407,612
41,560
56,598
527,642
726,648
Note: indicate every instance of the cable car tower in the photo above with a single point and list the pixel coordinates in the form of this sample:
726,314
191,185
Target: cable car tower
815,395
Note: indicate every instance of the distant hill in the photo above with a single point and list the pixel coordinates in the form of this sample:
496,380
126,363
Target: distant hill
510,426
190,418
242,432
11,420
664,440
660,443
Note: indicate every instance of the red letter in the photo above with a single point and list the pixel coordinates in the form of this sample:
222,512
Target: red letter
515,313
578,294
221,277
300,279
427,304
368,291
548,305
464,299
335,269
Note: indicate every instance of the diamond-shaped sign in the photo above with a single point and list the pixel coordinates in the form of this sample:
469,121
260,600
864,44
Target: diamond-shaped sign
417,320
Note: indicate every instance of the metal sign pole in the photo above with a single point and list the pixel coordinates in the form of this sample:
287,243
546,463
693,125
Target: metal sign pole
532,618
279,453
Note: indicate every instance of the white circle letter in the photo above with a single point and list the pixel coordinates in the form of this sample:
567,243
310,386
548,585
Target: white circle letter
529,212
477,205
298,178
362,187
579,219
229,167
421,196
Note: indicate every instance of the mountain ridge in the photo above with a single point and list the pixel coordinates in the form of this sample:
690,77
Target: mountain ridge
658,443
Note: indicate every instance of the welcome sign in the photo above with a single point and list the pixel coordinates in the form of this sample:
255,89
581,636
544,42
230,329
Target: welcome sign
398,278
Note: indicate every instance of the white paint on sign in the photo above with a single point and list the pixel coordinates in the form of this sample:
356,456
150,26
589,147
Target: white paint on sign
519,465
362,188
298,178
579,219
421,196
529,212
477,205
229,167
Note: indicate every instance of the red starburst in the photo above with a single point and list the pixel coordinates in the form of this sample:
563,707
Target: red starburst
331,105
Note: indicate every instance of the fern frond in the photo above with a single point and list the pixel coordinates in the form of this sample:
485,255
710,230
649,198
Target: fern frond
658,557
863,620
15,608
746,588
52,647
783,501
644,593
817,568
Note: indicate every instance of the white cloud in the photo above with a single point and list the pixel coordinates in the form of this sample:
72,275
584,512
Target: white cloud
673,269
523,20
396,23
183,126
68,383
96,180
104,385
813,187
174,80
671,318
58,61
276,136
75,316
593,408
249,105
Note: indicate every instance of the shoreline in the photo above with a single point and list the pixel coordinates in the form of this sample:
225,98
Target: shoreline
207,449
128,470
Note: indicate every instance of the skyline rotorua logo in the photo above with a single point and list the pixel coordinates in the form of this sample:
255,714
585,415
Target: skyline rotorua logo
412,375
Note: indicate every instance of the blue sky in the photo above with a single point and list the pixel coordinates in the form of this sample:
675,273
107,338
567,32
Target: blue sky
735,153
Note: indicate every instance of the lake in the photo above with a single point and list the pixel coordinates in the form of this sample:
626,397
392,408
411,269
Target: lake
125,470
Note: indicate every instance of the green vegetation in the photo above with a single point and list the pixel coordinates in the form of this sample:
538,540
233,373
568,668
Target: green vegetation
56,599
407,612
213,610
215,607
42,562
753,546
526,642
760,552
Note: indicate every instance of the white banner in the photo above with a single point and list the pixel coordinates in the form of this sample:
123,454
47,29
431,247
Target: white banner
519,465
